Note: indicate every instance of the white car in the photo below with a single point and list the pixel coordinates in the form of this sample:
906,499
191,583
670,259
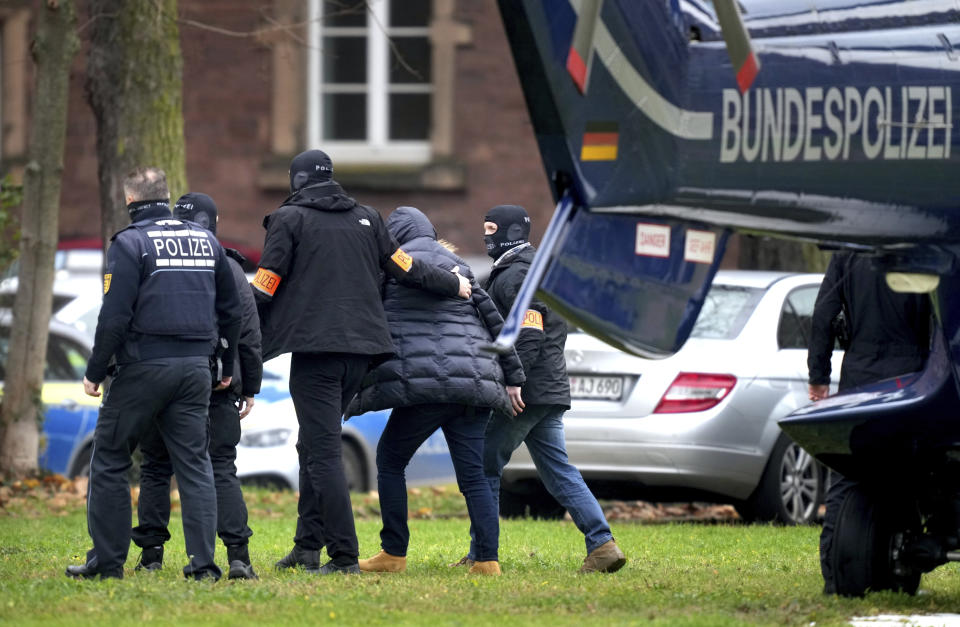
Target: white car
701,424
267,452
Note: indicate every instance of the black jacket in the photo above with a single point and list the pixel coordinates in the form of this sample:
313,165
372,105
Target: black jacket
542,336
246,352
440,341
167,291
318,284
889,332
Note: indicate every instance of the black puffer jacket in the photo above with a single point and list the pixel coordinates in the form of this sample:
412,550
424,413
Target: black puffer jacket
439,342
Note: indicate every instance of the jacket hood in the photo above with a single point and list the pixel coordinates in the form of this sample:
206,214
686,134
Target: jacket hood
409,223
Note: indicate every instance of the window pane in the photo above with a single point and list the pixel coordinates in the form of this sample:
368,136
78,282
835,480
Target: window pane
410,60
345,13
345,116
344,59
796,318
410,12
409,116
725,311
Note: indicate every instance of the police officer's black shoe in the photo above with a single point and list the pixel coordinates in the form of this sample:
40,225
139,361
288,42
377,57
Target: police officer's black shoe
330,568
241,570
151,559
82,571
308,558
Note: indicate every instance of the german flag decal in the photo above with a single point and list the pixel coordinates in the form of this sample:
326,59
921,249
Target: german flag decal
266,281
600,142
533,319
402,259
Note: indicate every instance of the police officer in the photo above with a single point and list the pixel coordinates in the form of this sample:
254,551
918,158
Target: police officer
889,335
167,290
546,394
228,406
318,292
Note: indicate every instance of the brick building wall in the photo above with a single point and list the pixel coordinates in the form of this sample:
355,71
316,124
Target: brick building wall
227,85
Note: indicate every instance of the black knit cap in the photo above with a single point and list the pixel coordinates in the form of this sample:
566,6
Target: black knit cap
309,168
198,208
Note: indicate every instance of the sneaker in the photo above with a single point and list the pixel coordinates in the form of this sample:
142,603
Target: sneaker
491,567
383,562
308,558
464,561
151,559
330,568
241,570
606,558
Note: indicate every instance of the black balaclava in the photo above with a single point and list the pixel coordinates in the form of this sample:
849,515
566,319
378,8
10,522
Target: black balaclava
513,229
197,208
309,168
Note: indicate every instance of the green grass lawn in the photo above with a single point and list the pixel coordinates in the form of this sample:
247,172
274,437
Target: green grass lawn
677,574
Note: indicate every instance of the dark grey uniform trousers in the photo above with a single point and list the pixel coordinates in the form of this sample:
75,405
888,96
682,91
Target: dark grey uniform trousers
172,393
153,508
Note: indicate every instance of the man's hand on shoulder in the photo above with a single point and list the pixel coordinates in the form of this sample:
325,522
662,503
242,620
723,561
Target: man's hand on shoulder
465,290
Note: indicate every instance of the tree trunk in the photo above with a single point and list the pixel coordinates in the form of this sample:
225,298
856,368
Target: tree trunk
134,85
53,49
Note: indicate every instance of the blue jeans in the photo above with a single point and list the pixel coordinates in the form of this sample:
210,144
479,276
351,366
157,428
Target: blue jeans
541,428
408,428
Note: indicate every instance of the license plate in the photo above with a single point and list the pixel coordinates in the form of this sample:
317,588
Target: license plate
610,388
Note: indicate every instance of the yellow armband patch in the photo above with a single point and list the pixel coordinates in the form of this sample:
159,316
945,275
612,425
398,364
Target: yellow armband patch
106,282
533,319
266,281
403,260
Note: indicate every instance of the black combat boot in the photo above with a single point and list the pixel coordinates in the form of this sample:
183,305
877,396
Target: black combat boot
239,559
151,559
299,556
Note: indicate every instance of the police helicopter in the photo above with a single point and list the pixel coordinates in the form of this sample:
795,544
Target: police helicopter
667,125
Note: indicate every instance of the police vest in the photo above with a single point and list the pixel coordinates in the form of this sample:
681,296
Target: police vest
177,292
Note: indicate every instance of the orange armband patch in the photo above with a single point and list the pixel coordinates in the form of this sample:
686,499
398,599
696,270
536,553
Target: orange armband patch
106,282
403,260
533,319
266,281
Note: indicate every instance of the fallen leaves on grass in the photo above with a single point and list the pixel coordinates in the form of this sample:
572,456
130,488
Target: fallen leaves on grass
42,494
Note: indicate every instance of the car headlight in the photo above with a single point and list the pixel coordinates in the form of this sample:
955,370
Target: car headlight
265,439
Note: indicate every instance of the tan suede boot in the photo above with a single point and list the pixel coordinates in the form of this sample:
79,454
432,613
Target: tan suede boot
606,558
485,568
383,562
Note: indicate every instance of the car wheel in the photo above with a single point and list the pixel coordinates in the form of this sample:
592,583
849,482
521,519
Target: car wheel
353,468
81,465
529,498
868,537
790,490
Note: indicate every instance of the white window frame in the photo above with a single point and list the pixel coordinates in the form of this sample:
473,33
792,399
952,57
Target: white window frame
378,148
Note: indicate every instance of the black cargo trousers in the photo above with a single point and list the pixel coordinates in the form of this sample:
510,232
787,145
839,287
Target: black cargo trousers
170,394
153,507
